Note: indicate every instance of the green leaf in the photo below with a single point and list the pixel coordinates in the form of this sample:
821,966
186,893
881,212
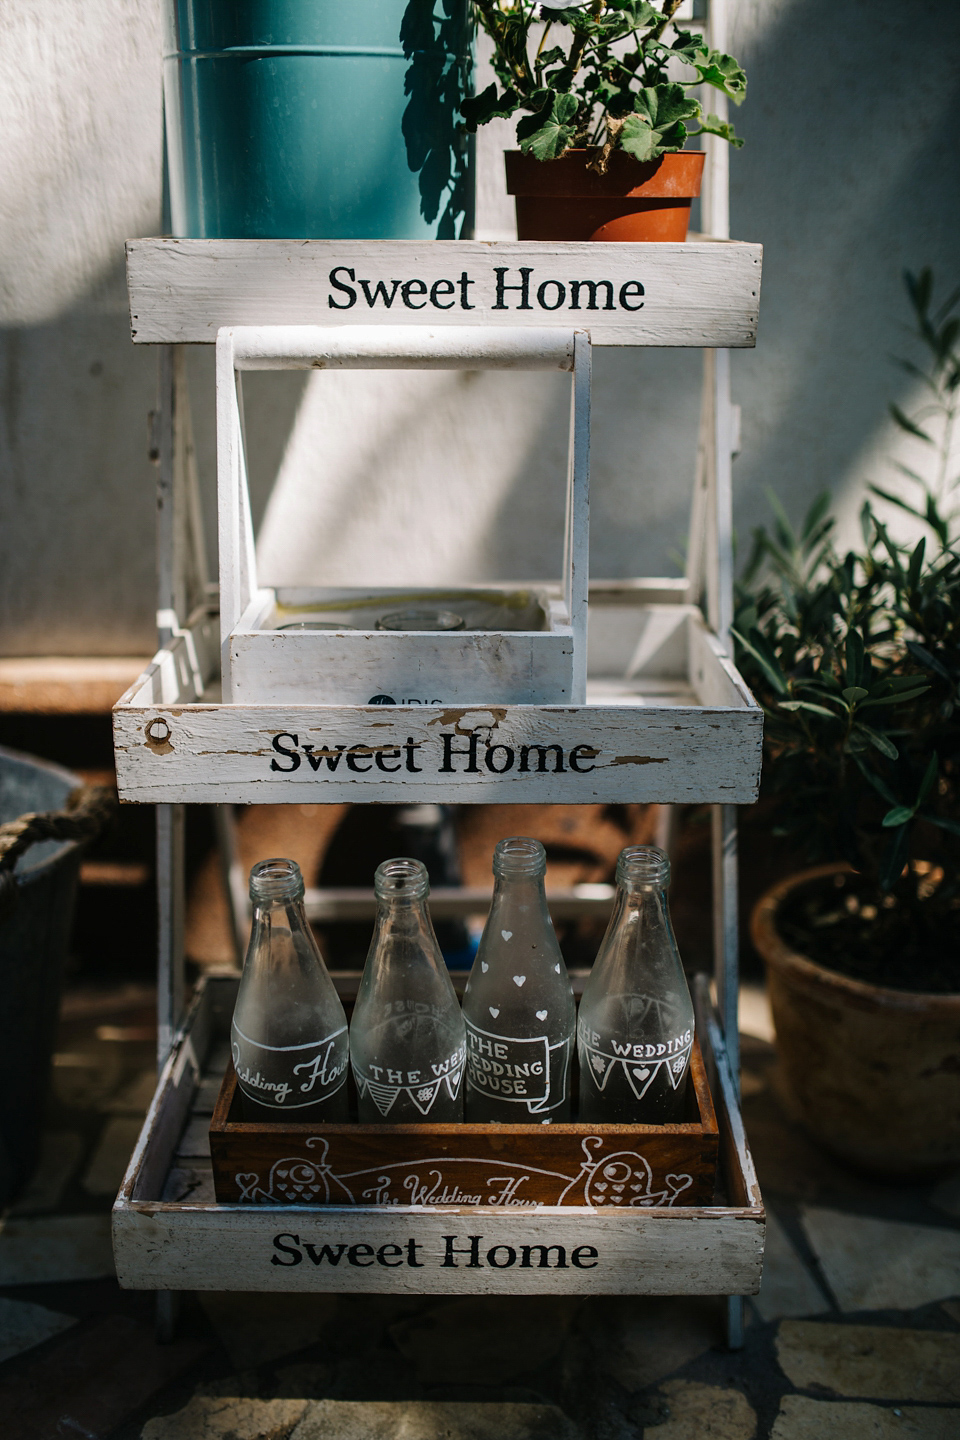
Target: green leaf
881,787
907,424
855,652
759,648
548,134
713,125
929,778
952,827
639,139
899,815
891,867
853,693
808,705
902,697
878,741
723,72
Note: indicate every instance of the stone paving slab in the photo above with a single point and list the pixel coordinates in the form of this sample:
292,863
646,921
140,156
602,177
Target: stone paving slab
55,1248
90,1380
257,1328
23,1325
638,1341
60,1152
946,1196
240,1419
484,1340
788,1288
883,1264
871,1361
801,1418
229,1418
109,1161
704,1412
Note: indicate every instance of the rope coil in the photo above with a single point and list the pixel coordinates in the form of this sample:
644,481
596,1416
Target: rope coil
89,810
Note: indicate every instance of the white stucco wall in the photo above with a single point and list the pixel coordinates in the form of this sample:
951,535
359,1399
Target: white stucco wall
848,175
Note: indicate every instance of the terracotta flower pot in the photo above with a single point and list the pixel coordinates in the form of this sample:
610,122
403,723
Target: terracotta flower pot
874,1073
563,200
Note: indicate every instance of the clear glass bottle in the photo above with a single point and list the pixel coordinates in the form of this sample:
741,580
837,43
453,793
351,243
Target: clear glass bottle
289,1031
407,1042
518,1003
635,1028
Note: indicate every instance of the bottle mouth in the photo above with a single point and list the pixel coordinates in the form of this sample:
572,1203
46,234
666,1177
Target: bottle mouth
401,879
519,856
276,880
643,866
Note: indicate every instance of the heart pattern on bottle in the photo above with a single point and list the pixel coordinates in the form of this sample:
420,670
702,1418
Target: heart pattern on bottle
642,1074
493,1012
519,980
507,934
484,966
541,1014
557,968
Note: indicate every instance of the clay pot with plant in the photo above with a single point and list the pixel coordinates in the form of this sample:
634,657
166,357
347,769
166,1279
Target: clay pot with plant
602,120
855,658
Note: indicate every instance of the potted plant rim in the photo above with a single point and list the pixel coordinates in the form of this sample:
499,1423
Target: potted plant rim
603,118
855,658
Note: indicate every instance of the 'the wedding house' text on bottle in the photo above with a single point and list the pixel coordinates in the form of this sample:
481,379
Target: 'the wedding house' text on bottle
407,1041
518,1003
289,1031
635,1027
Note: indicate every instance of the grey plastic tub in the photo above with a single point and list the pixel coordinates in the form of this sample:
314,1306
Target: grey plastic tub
33,947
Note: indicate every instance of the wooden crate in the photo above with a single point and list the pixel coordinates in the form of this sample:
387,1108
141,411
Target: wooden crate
703,292
668,719
509,1165
170,1232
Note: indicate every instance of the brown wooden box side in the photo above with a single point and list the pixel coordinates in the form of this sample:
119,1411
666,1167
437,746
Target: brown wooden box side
511,1165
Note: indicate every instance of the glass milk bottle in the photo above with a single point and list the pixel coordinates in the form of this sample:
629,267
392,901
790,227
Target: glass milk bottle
289,1031
518,1003
635,1028
407,1039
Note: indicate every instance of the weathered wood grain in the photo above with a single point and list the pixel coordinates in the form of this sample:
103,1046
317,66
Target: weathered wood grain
325,754
652,1252
700,293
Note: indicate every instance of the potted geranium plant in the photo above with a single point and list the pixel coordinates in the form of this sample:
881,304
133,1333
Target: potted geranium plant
856,660
603,92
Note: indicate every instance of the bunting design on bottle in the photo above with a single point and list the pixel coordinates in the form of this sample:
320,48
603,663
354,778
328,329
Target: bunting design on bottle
640,1062
385,1086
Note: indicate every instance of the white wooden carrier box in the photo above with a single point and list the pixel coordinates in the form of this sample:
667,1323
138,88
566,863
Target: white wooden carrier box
170,1234
505,646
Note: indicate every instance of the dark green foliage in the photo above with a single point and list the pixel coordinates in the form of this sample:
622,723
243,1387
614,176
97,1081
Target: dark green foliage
856,661
586,89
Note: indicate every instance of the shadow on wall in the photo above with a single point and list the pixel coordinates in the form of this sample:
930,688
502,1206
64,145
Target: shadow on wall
77,490
848,176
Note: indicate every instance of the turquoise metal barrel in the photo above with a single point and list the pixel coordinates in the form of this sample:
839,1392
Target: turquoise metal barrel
318,118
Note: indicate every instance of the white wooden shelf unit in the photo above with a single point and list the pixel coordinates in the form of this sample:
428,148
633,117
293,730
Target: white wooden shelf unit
665,716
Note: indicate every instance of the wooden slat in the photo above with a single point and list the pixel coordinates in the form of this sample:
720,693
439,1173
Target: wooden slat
256,754
454,902
700,293
683,1252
